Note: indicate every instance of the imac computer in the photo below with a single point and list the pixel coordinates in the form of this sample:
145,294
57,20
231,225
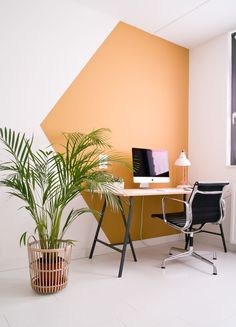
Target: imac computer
150,166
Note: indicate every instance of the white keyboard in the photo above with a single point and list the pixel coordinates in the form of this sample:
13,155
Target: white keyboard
169,190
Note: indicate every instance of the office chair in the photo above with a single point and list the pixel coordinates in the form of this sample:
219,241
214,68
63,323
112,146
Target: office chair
205,205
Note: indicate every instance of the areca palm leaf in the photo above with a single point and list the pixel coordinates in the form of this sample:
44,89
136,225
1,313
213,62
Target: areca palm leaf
17,145
72,216
48,181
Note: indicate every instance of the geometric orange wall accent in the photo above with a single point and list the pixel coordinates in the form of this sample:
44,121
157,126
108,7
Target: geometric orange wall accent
136,84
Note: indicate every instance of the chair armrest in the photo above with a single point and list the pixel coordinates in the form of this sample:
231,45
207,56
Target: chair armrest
186,208
223,210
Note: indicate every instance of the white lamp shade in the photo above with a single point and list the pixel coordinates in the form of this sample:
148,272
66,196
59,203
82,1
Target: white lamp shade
182,160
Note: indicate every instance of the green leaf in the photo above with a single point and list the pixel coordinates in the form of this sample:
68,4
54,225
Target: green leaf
46,181
23,238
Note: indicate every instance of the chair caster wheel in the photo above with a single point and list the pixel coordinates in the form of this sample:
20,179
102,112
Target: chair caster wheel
163,267
214,273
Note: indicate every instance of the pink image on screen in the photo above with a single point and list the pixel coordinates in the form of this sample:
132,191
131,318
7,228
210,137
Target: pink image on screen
159,161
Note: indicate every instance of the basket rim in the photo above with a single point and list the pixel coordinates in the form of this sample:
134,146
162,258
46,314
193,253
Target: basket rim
30,246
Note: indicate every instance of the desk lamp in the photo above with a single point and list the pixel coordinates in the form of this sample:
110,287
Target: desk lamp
183,161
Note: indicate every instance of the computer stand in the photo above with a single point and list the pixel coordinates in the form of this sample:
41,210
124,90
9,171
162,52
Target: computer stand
144,185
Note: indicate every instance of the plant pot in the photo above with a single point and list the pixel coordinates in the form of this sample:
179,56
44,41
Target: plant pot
49,268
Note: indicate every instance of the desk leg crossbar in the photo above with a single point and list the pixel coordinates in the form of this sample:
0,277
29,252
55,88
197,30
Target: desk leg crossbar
127,238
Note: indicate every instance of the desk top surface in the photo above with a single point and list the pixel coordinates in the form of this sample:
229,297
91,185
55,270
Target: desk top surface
151,191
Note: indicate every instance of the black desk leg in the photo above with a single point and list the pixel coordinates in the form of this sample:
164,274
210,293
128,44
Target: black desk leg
98,229
131,202
125,223
223,237
186,241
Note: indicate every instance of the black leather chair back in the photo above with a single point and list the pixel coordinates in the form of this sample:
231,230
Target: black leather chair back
206,202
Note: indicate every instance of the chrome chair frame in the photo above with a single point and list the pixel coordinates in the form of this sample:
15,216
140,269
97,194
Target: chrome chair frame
188,228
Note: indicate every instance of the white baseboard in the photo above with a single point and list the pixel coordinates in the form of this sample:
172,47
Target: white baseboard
78,253
214,241
101,249
158,240
14,263
21,262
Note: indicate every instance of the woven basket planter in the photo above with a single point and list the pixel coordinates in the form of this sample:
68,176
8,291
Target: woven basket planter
49,268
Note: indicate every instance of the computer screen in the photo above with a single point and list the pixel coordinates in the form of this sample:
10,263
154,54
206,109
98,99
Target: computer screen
150,166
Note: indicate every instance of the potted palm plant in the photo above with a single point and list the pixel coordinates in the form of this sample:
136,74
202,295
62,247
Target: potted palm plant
47,181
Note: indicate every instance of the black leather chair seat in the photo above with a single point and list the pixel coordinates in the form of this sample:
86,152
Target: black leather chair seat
175,218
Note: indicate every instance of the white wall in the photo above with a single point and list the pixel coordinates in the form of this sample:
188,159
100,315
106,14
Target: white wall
43,46
209,114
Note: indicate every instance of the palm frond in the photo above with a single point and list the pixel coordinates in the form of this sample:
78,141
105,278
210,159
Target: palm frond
47,181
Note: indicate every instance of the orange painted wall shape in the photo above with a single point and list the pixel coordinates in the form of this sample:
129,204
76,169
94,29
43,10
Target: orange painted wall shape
136,84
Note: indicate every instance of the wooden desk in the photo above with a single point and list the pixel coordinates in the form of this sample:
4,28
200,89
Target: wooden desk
130,194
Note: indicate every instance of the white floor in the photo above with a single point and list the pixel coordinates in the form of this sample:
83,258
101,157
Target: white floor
184,294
